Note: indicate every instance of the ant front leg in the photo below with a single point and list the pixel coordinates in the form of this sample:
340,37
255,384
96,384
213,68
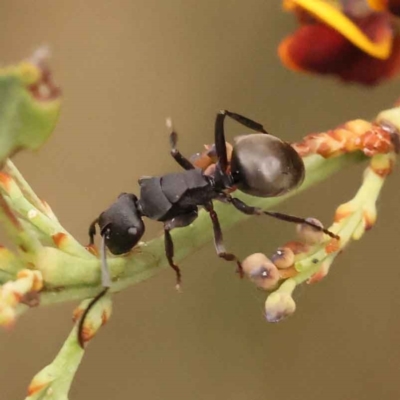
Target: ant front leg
249,210
218,239
177,222
219,134
175,153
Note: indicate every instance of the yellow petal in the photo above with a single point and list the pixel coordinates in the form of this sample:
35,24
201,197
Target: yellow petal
334,18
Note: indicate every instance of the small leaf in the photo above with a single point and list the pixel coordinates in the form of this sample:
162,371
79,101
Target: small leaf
29,105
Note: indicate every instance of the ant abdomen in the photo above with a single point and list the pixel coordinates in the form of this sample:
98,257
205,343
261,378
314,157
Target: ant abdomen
265,166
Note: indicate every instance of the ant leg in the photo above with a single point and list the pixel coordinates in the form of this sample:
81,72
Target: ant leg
246,209
92,231
219,138
175,153
249,123
220,143
169,252
106,283
218,239
177,222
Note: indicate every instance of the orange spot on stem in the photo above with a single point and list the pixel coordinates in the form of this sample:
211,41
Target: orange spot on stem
92,249
35,387
317,277
58,238
5,180
105,316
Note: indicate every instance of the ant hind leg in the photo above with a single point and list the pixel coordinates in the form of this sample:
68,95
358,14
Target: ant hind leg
249,210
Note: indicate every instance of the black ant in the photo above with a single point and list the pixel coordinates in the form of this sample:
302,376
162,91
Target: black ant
261,165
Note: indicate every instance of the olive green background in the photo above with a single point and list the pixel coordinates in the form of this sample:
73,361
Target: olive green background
124,67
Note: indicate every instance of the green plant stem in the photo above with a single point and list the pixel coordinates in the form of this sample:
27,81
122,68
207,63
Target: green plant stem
57,377
80,278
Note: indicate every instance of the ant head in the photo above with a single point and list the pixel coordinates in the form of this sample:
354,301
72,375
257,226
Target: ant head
122,224
264,166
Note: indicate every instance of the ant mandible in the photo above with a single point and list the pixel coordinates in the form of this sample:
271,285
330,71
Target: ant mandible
261,165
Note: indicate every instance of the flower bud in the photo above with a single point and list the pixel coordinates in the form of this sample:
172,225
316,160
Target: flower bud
278,306
261,271
309,234
283,257
97,317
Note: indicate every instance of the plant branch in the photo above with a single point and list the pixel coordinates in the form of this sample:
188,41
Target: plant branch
148,258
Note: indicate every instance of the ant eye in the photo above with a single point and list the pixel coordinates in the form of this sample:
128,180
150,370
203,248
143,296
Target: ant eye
132,231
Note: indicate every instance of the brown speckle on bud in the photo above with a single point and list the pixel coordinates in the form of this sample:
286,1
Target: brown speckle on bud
35,387
283,257
308,234
261,271
105,316
59,238
376,141
369,216
343,211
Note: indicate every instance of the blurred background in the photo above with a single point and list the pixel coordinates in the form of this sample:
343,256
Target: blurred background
125,66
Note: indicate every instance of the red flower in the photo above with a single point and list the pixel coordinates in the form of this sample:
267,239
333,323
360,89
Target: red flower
355,42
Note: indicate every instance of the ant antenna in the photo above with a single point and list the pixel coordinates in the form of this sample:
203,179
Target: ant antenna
106,283
298,220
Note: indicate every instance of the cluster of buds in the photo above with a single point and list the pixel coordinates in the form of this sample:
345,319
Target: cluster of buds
309,258
42,246
23,290
273,274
